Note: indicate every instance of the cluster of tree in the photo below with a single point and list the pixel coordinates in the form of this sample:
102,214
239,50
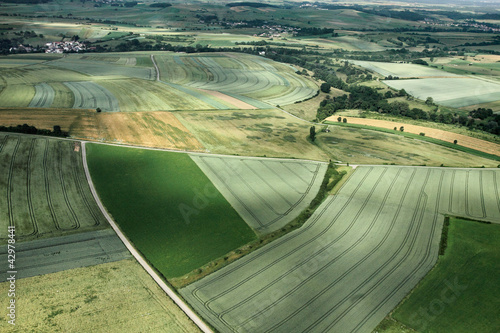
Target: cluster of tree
130,4
316,32
160,5
250,4
26,129
420,62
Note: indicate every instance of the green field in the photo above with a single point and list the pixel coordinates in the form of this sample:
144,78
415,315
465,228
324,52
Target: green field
46,192
166,206
354,260
464,279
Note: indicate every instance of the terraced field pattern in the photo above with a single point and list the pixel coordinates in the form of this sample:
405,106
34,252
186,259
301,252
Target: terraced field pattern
44,188
153,82
354,260
268,194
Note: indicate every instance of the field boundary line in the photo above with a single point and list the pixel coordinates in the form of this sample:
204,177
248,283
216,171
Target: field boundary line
177,300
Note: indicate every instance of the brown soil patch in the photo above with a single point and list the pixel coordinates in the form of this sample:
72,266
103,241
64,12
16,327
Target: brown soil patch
463,140
152,129
231,100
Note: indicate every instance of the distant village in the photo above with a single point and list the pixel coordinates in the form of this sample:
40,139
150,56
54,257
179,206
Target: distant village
52,47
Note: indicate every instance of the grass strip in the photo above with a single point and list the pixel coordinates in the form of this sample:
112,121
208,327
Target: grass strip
331,178
420,137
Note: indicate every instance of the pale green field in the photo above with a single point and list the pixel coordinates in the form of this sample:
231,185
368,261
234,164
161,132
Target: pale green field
267,193
453,92
354,260
91,95
400,70
46,192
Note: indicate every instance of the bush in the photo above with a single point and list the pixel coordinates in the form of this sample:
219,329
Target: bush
422,133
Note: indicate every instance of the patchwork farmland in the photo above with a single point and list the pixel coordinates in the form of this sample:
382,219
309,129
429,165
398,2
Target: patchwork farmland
268,194
46,192
354,260
445,88
246,77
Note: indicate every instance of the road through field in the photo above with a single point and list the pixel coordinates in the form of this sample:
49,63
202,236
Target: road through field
190,313
353,261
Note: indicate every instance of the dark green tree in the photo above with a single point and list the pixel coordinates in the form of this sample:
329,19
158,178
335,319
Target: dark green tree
312,133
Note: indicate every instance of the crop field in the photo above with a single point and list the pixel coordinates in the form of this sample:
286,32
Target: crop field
454,92
16,95
401,70
151,129
41,73
45,192
463,140
158,198
267,193
461,281
55,254
140,95
44,96
354,260
269,133
250,76
112,297
103,68
91,95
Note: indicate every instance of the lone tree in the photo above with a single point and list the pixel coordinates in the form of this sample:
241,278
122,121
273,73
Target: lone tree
325,87
339,119
312,133
402,128
98,110
344,120
429,101
455,141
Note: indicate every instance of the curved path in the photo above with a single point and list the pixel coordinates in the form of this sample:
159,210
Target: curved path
184,307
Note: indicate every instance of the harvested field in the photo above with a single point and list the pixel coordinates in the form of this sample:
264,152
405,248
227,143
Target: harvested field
266,193
70,120
151,129
90,95
252,133
114,297
454,92
353,261
46,191
51,255
463,140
